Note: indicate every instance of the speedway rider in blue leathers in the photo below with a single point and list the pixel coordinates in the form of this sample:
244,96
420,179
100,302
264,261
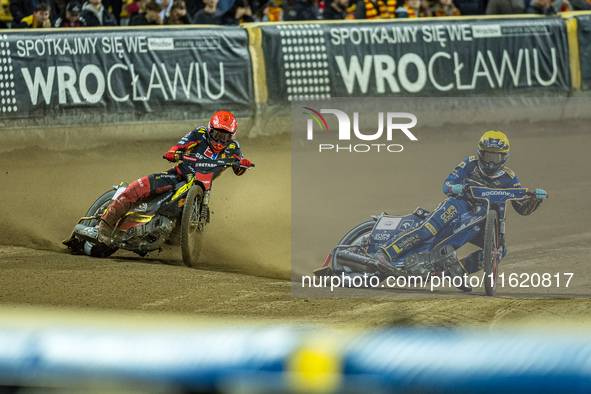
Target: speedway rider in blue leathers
488,170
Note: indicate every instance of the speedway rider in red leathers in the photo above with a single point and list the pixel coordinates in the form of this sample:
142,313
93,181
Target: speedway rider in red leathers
487,169
211,142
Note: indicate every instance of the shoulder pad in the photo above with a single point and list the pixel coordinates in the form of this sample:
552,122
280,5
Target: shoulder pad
234,145
464,162
201,129
472,158
509,172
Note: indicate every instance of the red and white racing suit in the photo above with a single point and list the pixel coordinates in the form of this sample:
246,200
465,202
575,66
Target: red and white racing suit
195,142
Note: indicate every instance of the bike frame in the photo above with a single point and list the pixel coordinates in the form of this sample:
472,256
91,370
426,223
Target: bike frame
463,229
170,203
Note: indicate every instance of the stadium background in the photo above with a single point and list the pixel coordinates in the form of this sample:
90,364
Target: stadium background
56,159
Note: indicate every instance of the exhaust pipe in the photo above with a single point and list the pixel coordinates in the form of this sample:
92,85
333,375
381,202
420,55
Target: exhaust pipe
359,262
86,233
352,260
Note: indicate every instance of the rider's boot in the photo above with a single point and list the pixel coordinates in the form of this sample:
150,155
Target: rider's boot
120,206
110,218
455,269
381,262
472,261
105,233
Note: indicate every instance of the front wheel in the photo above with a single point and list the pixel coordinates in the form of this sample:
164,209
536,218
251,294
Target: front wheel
491,252
192,227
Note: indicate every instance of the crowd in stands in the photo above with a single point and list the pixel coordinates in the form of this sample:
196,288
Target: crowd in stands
73,13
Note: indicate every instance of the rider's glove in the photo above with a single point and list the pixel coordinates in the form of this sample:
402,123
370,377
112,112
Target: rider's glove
245,163
541,194
240,166
457,189
172,155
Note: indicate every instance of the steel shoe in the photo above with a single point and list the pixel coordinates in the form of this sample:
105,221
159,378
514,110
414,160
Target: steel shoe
454,269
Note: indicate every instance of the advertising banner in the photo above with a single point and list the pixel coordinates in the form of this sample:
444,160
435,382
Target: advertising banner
109,72
584,38
430,58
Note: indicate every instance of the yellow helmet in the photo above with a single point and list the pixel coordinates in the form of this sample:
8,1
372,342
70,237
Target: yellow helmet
493,152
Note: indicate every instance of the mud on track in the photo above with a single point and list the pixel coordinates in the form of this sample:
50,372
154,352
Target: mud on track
245,269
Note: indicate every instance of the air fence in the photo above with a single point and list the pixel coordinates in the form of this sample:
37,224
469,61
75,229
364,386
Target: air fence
292,359
93,76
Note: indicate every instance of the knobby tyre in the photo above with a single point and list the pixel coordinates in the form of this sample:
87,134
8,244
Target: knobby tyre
98,208
491,252
191,235
357,235
354,236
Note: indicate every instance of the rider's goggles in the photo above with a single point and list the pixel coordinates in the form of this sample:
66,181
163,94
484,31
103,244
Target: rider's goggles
221,135
493,157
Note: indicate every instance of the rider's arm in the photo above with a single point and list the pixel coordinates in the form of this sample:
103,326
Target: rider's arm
236,153
186,143
458,175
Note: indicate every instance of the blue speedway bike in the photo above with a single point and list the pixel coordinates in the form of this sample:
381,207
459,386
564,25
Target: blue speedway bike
483,226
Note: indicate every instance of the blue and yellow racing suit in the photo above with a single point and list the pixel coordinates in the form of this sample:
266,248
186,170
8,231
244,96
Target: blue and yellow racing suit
446,211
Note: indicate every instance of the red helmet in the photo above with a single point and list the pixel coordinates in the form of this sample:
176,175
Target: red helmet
221,130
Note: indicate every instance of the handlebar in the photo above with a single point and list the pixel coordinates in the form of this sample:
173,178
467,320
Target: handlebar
529,194
221,162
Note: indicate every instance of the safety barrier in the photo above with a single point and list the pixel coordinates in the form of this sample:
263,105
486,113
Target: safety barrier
114,75
433,57
73,76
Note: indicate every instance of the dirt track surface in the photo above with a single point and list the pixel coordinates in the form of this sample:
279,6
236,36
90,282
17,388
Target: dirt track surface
245,269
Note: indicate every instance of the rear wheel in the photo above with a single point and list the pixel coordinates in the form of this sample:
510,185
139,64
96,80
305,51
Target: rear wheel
356,235
353,238
192,227
98,208
491,252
